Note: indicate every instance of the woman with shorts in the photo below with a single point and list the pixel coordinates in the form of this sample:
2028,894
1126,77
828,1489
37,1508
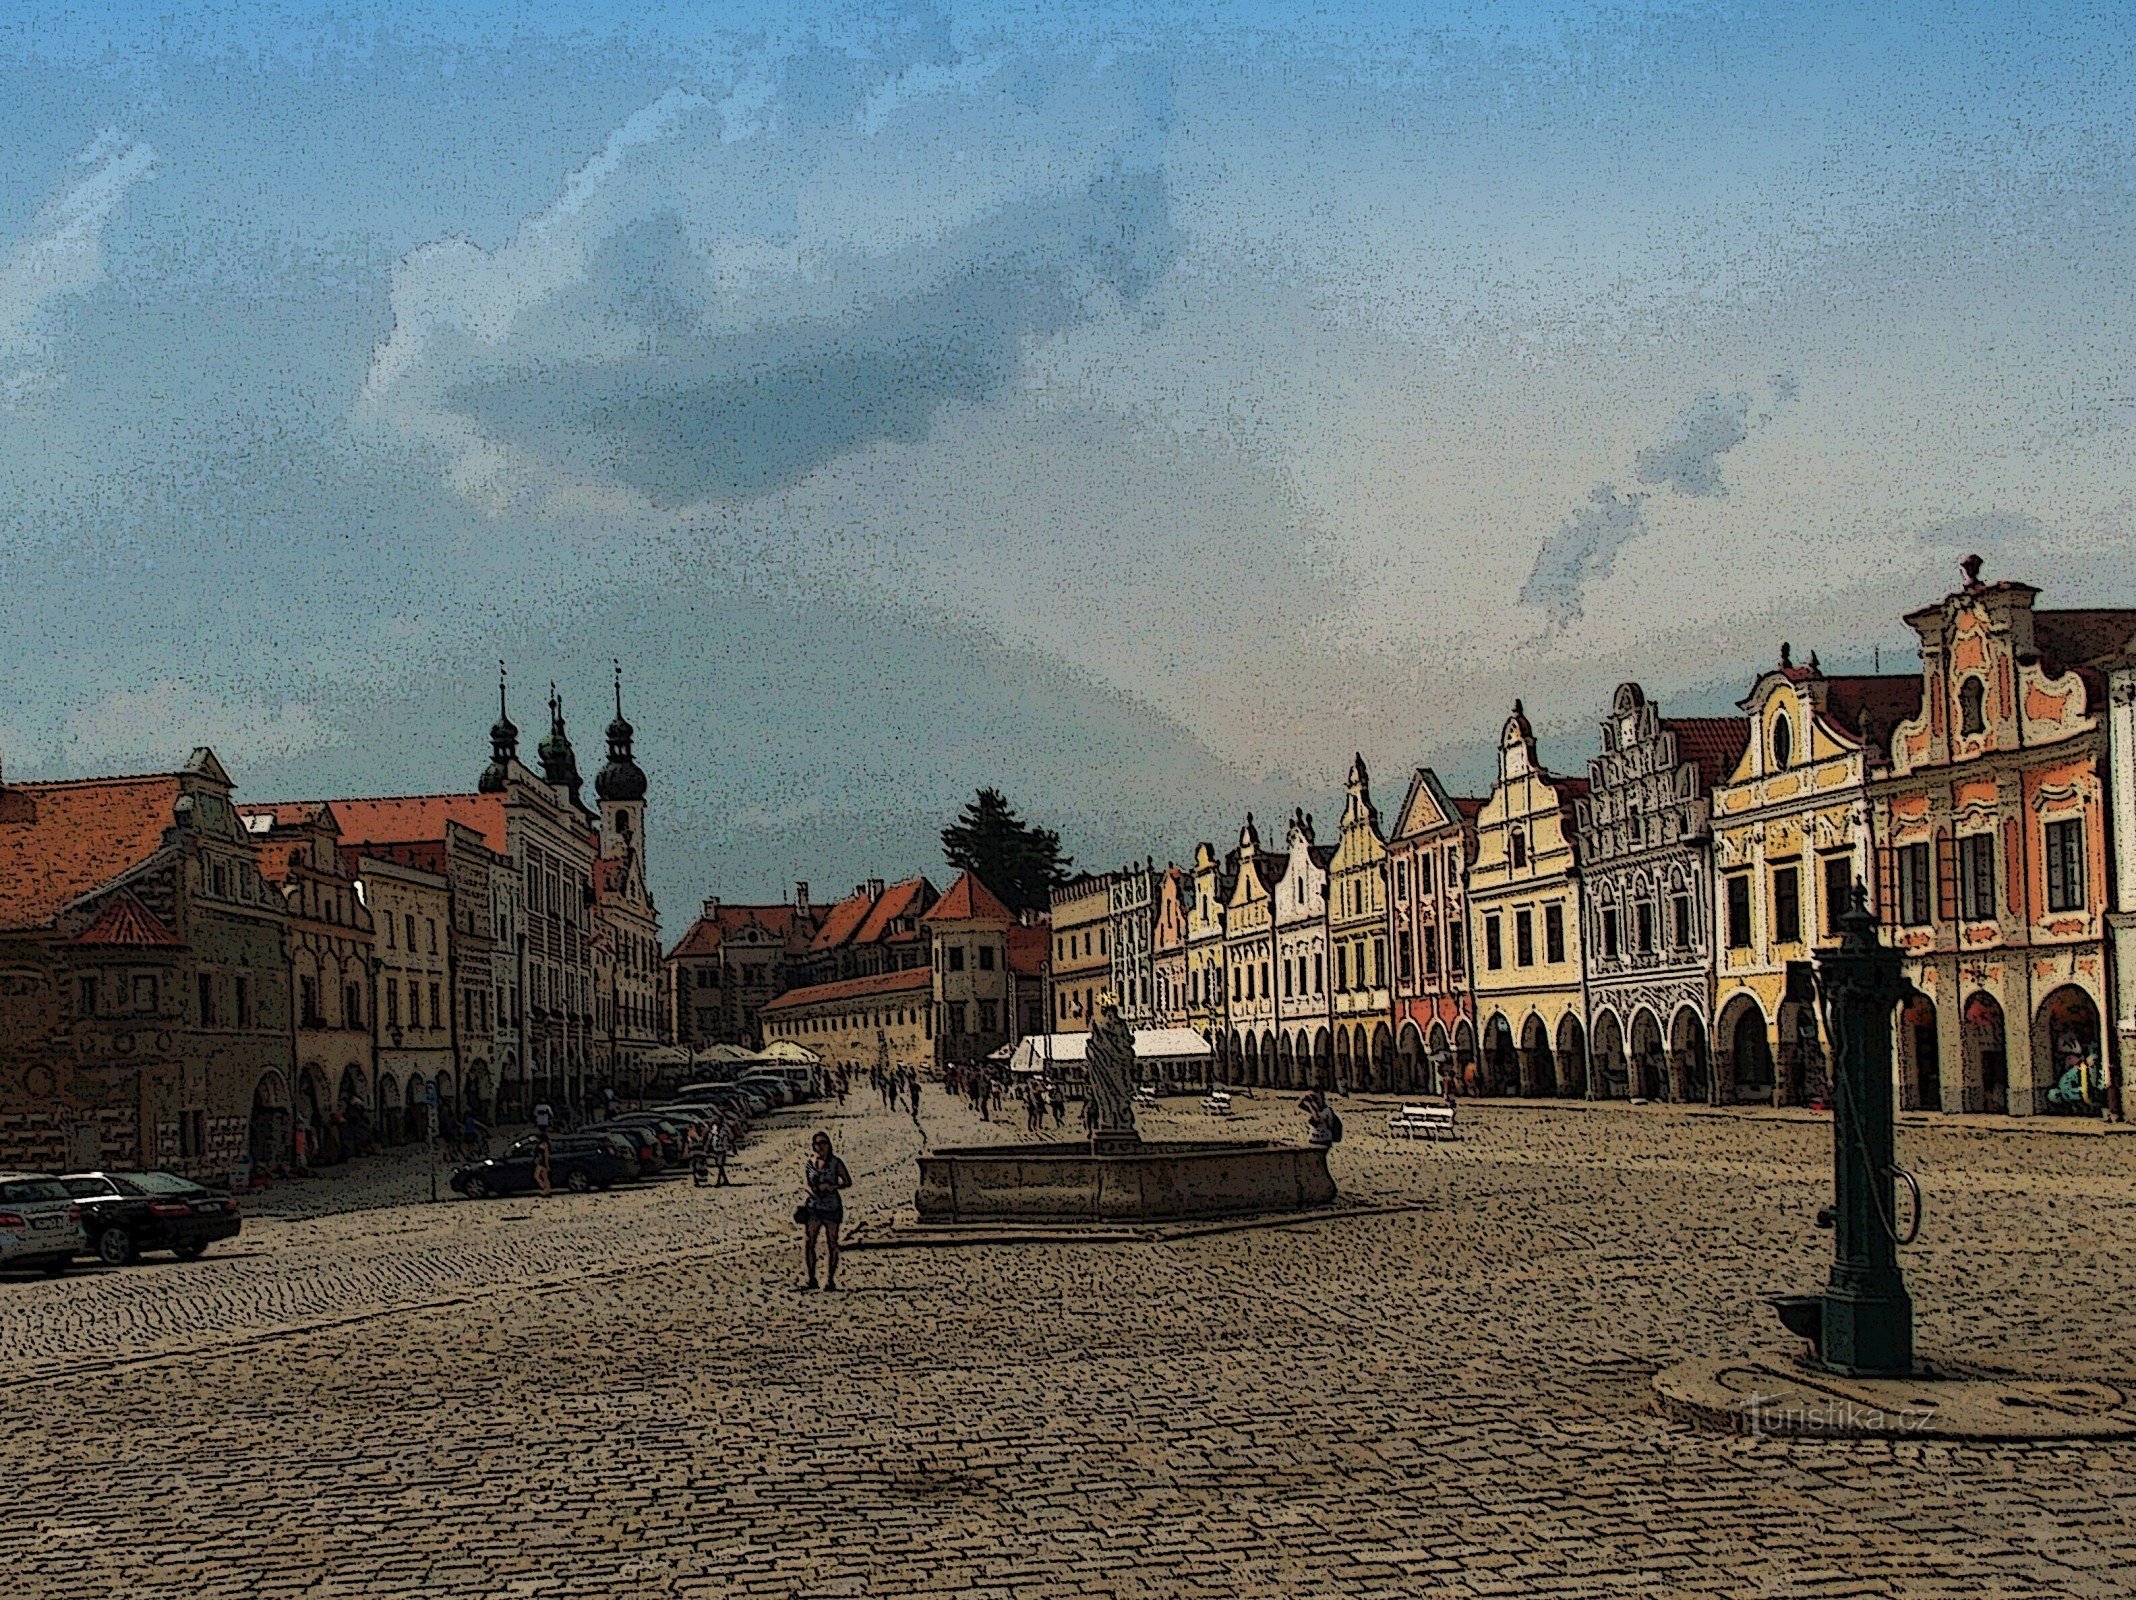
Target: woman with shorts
825,1207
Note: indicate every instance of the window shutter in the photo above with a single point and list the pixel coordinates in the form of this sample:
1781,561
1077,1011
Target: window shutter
1946,878
1887,885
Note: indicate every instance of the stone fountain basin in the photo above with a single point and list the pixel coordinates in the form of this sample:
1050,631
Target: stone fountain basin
1157,1181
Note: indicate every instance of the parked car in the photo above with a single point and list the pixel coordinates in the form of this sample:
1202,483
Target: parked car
40,1225
125,1213
576,1162
644,1143
673,1133
626,1154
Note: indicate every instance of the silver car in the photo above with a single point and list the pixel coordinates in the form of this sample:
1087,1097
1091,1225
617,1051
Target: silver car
40,1225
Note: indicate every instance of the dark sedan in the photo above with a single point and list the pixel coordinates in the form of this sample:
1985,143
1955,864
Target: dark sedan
575,1163
125,1213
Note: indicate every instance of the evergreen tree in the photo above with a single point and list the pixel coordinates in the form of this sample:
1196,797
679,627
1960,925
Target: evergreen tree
1019,862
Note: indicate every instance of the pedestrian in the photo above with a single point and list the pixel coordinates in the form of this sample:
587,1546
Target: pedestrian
722,1147
541,1160
1323,1126
1059,1096
824,1209
912,1087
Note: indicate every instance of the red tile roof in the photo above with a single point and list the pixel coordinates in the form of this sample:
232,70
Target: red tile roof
918,979
906,899
125,921
969,900
843,921
58,841
1869,708
707,934
1029,946
1713,744
2079,638
412,819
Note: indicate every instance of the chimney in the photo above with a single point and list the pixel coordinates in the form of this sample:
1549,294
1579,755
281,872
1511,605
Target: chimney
801,896
711,906
875,888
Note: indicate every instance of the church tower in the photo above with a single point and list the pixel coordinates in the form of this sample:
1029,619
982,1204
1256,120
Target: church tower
620,788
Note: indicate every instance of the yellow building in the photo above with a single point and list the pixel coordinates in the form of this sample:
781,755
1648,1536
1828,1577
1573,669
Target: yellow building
1081,920
1791,834
1362,996
1209,891
1524,925
857,1023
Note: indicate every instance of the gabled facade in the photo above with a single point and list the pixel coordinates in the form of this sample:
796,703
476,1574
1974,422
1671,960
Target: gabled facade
1168,949
974,990
1362,995
1791,834
1993,848
329,936
1305,1042
1524,925
1208,1009
1250,959
627,1021
144,979
1427,927
1646,852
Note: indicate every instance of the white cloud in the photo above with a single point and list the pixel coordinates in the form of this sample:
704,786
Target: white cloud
62,256
144,727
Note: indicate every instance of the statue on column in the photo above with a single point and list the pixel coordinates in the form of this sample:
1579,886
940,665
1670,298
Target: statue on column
1110,1091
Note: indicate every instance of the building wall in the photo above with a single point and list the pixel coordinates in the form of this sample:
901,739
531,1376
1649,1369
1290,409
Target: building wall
969,961
1131,910
1250,962
855,1033
1427,862
1305,970
413,911
1531,1035
1208,1013
1363,992
1081,920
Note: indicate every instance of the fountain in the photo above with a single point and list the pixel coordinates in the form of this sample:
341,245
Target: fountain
1116,1176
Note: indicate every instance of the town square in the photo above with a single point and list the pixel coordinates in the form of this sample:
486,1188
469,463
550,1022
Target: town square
1148,799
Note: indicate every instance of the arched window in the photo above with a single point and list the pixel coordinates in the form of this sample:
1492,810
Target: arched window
1517,845
1971,714
1783,740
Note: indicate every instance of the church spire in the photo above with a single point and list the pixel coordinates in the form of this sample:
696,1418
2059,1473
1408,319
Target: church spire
559,762
620,778
504,745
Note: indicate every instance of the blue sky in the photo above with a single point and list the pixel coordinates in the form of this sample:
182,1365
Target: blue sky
1141,408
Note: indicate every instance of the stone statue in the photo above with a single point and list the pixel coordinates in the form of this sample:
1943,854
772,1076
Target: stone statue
1111,1089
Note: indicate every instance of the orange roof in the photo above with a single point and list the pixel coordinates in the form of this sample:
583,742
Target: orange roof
706,934
880,983
58,841
969,900
1713,744
899,900
1029,946
128,922
843,921
416,818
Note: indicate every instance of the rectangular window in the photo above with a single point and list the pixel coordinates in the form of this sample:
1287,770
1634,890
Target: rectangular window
1915,885
437,1013
1379,963
144,993
1739,911
1342,969
986,1016
393,1002
1643,920
1456,939
1680,912
432,924
956,959
1787,904
1494,953
1554,934
243,986
1423,874
86,988
408,926
1838,889
1976,877
986,958
1609,933
1429,934
2065,865
1524,938
956,1017
1405,963
207,999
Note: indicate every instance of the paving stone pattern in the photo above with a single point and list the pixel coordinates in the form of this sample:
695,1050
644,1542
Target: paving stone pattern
626,1395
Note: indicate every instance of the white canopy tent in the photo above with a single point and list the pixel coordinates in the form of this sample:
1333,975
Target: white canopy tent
1167,1055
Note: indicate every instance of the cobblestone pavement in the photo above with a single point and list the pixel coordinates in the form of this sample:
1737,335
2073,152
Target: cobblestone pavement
625,1395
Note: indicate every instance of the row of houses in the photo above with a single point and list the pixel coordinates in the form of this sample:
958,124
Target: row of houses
187,980
1645,928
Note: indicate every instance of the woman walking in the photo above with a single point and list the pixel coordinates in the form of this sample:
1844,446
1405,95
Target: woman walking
825,1207
541,1161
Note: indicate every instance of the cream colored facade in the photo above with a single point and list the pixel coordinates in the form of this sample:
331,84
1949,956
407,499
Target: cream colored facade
1250,959
1208,1010
882,1018
1524,925
1791,833
1305,973
1362,994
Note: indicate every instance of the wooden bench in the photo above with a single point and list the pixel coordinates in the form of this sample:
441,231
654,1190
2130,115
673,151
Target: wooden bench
1145,1098
1218,1104
1431,1121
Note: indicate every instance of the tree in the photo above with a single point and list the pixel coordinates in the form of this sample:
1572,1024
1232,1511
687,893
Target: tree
1019,862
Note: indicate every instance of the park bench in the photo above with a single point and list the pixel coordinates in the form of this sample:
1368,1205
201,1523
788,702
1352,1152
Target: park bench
1145,1097
1218,1104
1431,1121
